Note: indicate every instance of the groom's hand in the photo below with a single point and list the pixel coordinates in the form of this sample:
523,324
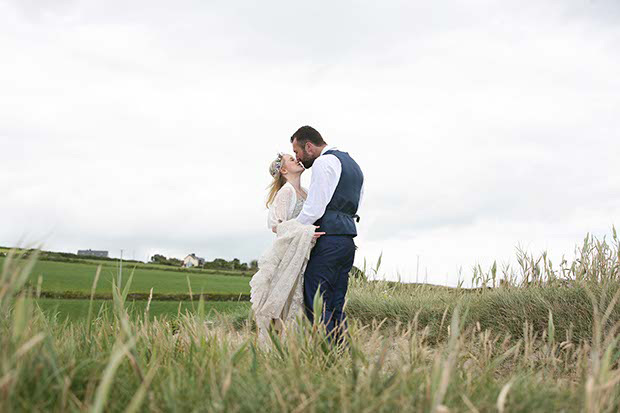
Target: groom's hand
317,234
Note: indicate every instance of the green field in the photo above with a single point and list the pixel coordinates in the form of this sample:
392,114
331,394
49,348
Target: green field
113,263
77,310
78,278
71,284
548,343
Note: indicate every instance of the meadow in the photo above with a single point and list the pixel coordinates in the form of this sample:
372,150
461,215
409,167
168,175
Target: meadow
533,338
64,288
76,280
114,262
77,310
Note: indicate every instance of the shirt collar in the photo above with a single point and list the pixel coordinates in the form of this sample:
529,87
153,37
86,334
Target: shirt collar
327,148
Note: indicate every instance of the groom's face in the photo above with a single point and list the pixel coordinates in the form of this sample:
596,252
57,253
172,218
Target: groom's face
304,153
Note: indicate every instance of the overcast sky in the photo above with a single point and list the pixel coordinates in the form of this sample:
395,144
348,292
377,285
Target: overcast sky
150,125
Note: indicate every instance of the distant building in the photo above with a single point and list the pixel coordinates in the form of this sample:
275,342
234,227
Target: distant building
193,261
93,253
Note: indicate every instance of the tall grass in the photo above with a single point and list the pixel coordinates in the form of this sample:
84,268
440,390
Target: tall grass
504,300
544,346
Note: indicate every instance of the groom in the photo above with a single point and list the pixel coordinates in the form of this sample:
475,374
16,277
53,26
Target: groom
333,198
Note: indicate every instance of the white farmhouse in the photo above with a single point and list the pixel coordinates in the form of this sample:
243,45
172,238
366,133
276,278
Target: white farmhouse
193,261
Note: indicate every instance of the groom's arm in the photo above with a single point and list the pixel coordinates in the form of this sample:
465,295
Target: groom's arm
325,176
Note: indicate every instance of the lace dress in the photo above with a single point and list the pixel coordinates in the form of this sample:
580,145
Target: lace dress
286,205
277,287
299,205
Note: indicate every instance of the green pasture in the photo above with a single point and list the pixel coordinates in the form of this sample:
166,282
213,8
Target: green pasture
77,310
544,340
152,266
114,263
61,277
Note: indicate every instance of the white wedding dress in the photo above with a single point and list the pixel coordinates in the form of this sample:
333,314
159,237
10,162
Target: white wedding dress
277,287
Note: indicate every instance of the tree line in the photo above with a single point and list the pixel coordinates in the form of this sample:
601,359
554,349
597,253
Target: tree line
216,264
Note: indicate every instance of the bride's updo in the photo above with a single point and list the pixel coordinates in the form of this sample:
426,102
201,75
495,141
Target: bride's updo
278,179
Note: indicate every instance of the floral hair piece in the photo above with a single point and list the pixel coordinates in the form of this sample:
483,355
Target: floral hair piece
276,165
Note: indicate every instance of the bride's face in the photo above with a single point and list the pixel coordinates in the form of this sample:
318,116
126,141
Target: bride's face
290,165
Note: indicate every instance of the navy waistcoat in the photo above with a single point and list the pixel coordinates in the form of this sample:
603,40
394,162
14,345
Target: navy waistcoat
340,214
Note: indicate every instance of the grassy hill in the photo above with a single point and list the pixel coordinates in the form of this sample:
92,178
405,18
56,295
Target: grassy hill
114,263
76,280
549,342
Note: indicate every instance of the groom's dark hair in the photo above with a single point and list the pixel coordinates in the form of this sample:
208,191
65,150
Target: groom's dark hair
308,134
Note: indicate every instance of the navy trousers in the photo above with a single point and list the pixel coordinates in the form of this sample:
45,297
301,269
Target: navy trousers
328,269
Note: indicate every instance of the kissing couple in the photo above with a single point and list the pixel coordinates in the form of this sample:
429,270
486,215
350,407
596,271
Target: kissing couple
314,249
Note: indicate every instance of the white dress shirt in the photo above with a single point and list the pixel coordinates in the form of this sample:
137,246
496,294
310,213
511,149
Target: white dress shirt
326,171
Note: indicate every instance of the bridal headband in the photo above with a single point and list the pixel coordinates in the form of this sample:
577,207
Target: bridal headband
276,165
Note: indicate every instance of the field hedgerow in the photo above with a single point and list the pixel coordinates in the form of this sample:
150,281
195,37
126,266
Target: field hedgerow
510,348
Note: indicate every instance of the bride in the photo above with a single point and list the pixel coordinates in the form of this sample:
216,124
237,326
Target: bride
277,288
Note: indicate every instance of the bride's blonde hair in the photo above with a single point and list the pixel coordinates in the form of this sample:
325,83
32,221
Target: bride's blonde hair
278,179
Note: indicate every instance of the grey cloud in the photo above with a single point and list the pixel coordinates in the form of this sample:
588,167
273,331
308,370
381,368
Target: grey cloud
149,125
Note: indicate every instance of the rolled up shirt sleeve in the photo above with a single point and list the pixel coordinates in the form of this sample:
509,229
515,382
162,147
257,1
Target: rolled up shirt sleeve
326,173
